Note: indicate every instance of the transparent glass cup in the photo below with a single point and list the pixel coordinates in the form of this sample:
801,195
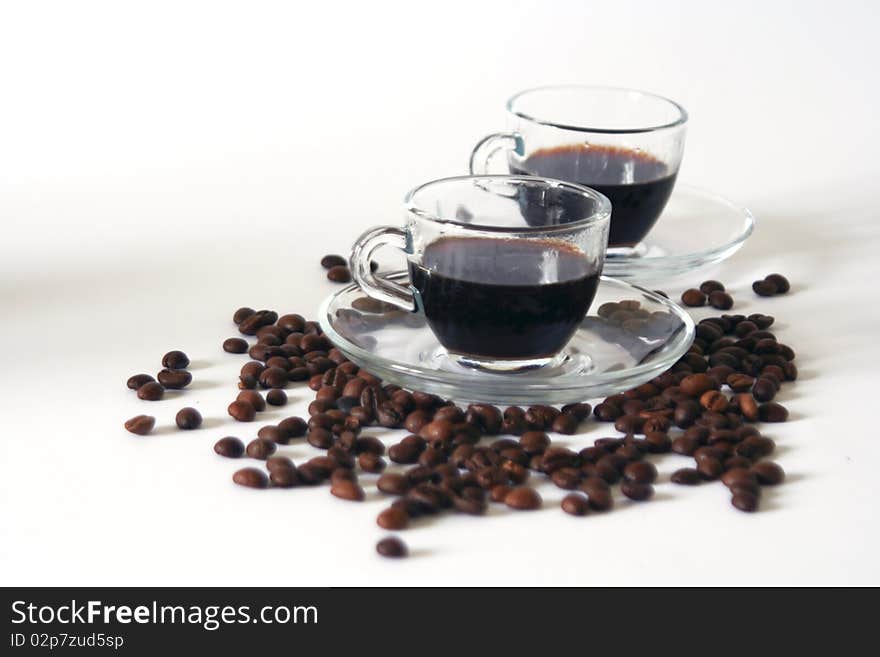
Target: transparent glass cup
624,143
503,268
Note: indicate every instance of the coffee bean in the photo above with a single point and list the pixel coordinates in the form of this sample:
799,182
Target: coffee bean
721,300
140,424
136,381
261,449
251,478
175,360
523,498
575,504
686,477
393,483
780,281
738,477
372,463
768,473
339,274
393,519
254,398
693,298
273,434
392,547
565,423
485,417
598,498
710,286
235,346
331,260
642,472
694,385
174,379
188,418
276,397
657,442
348,490
765,288
581,411
748,406
534,442
257,320
636,491
284,477
606,412
764,389
745,501
293,427
230,447
739,382
151,391
273,377
772,412
242,411
710,468
242,314
714,401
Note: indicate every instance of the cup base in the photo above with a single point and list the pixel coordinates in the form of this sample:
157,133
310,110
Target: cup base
504,365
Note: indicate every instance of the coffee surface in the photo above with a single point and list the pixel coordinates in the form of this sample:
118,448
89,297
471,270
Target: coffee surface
505,299
637,184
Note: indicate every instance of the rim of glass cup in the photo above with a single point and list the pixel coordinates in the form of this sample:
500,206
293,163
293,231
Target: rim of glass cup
681,120
600,215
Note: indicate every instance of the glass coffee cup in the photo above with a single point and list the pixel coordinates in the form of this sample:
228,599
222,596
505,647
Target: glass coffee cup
626,144
503,267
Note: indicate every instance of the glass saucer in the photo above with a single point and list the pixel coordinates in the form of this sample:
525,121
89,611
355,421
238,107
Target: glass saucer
630,336
697,228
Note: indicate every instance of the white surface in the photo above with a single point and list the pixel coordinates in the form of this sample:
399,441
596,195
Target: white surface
162,166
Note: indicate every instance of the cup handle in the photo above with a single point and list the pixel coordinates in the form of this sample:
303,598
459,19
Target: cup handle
490,146
374,286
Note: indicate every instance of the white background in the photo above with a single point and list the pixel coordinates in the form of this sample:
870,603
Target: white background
164,163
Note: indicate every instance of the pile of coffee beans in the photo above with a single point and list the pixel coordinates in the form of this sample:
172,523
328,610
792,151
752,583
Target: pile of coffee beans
173,376
771,285
461,459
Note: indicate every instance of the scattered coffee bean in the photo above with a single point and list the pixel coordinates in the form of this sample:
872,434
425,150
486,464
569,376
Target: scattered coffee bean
523,498
575,504
693,298
636,491
260,448
768,473
721,300
641,472
745,501
242,314
276,397
339,274
347,490
253,398
772,412
393,519
765,288
565,423
230,447
780,281
188,418
392,547
331,260
251,478
686,477
140,424
235,346
708,287
136,381
151,391
174,379
242,411
175,360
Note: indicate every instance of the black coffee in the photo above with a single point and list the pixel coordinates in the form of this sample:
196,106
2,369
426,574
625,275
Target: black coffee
637,184
496,298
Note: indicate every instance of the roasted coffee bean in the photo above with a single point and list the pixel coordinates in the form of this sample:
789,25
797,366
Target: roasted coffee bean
347,490
780,281
748,406
686,477
174,379
710,286
389,416
693,298
739,477
745,501
242,411
762,321
254,398
469,505
721,300
534,442
772,412
540,417
739,382
175,360
566,478
310,475
242,314
188,418
393,483
581,411
260,449
235,346
636,491
565,423
273,434
710,468
523,498
714,401
656,424
370,462
293,427
485,417
332,260
768,473
606,412
151,391
276,397
339,274
230,447
254,322
695,385
575,504
136,381
285,477
274,377
764,389
629,424
765,288
140,424
251,478
417,420
599,499
392,547
393,519
642,472
320,438
658,442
